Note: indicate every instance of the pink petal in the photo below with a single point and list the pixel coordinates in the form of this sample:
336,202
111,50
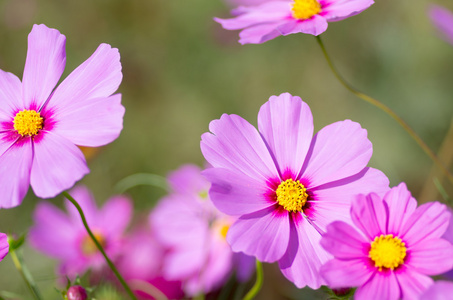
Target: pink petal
96,78
115,215
268,12
428,221
93,122
369,214
10,96
340,10
46,59
339,150
431,257
261,33
344,242
305,256
188,180
332,201
4,246
412,283
57,165
53,233
237,146
383,285
15,165
177,221
236,194
401,205
314,26
286,124
440,290
263,234
346,273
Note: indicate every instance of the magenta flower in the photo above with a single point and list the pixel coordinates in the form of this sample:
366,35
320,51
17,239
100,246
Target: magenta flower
286,185
63,236
271,19
194,231
440,290
41,126
443,21
4,246
392,249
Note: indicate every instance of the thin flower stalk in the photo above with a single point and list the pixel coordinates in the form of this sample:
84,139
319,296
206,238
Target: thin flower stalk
25,273
258,283
387,110
99,246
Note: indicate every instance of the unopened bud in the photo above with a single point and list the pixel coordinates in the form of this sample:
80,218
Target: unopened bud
76,292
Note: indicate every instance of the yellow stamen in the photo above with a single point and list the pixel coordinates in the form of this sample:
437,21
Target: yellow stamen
28,122
305,9
89,247
292,195
387,252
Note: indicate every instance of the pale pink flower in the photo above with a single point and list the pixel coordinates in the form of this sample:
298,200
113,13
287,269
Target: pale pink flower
392,249
40,125
284,184
271,19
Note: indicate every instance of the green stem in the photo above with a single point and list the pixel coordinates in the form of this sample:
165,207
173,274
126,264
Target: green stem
388,111
26,275
99,246
258,283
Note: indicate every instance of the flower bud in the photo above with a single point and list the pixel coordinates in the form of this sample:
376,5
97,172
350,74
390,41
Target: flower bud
76,292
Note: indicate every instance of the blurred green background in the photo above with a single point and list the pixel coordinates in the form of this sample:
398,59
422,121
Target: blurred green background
182,70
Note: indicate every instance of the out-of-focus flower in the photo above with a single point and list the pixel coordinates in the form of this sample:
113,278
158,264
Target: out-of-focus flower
271,19
286,185
194,231
443,20
63,236
76,292
40,127
393,248
4,246
140,263
440,290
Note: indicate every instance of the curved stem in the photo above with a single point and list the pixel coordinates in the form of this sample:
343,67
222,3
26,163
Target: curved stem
18,263
388,111
99,246
258,283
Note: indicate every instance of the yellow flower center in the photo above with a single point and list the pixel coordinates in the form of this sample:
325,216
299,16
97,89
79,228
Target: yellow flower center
387,252
305,9
89,247
224,230
292,195
28,122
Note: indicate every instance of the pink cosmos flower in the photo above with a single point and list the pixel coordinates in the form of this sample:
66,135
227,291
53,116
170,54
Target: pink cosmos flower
4,246
443,21
392,248
286,185
271,19
194,231
440,290
63,236
140,263
40,126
